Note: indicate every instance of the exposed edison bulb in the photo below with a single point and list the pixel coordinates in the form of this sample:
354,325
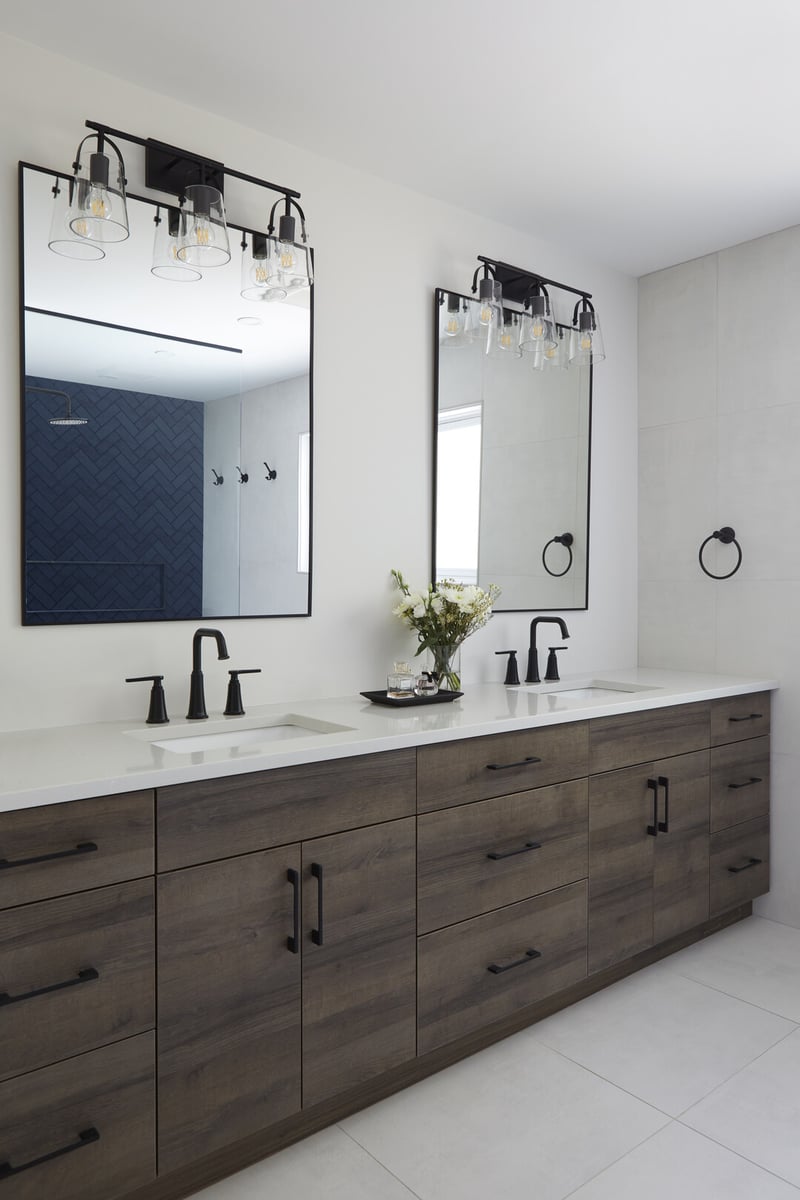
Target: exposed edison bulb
551,351
586,339
97,203
486,313
259,272
506,338
80,227
453,324
201,230
537,327
287,257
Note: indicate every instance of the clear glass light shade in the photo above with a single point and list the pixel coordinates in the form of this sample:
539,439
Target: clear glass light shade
490,302
261,269
537,327
504,340
555,355
203,240
295,269
586,340
61,239
98,211
166,264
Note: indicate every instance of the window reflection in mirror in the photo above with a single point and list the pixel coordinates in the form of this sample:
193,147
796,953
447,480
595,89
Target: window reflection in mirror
512,453
143,512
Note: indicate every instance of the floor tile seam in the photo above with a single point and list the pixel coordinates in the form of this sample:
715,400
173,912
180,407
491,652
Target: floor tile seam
619,1159
611,1083
732,996
376,1160
739,1071
738,1153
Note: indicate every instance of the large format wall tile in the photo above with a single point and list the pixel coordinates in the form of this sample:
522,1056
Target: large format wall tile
677,343
677,625
759,308
677,487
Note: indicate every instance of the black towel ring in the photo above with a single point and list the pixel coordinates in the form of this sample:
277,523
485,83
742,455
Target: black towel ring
726,535
564,539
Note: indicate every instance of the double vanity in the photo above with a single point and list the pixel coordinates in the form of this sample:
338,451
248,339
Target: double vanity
217,938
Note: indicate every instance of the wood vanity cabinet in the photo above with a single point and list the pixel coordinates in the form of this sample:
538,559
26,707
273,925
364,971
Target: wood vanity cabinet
77,999
288,974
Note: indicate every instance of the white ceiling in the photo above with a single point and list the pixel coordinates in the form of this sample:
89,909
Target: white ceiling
647,132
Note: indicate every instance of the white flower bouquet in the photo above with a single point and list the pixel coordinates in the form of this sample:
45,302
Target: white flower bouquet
443,617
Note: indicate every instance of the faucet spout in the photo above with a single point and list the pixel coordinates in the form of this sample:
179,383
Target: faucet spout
532,674
197,698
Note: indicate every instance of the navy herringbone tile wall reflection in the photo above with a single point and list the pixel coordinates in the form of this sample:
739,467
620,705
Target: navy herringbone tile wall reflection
113,508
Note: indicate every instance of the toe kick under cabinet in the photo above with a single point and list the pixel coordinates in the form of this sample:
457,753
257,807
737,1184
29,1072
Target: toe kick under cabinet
192,978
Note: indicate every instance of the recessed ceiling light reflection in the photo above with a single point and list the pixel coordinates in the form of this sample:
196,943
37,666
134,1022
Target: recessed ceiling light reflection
249,321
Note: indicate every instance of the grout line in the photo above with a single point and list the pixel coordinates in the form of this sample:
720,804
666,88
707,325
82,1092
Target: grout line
608,1166
732,996
382,1165
737,1153
746,1067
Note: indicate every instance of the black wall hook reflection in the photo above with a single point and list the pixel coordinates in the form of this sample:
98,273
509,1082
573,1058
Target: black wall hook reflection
243,475
270,473
218,479
563,539
726,535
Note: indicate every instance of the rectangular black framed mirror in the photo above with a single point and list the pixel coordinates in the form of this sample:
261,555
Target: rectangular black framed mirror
166,434
512,466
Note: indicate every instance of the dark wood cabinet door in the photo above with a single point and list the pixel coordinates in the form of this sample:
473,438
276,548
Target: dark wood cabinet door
359,956
228,1003
680,894
621,858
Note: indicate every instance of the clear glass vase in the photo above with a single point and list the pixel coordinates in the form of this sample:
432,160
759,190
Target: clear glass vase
444,664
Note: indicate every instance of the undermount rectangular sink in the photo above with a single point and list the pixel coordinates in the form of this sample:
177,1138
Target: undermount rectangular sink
590,689
234,733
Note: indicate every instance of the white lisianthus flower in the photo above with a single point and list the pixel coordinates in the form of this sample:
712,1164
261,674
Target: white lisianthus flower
437,604
418,611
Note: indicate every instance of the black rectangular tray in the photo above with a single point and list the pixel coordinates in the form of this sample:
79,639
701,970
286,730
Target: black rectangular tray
382,698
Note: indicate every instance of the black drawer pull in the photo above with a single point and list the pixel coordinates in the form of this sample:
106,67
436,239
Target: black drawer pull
751,717
526,762
663,826
85,1138
530,955
81,848
316,934
495,855
293,942
748,782
652,785
751,862
84,976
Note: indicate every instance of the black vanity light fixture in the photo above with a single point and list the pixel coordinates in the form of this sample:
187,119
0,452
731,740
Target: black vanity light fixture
191,236
532,329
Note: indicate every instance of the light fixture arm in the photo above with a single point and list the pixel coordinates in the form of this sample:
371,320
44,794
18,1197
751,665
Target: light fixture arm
584,305
290,203
488,271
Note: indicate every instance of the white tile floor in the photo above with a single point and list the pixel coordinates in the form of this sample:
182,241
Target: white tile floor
682,1081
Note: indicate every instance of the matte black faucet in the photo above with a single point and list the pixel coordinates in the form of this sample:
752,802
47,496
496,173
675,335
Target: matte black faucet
532,675
197,697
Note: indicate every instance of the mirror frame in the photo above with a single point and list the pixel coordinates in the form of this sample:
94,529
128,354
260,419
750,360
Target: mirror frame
498,607
53,619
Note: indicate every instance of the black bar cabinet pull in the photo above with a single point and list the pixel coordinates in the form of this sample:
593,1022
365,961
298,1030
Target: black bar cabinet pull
84,976
495,855
750,717
529,956
664,783
81,848
85,1138
747,783
526,762
751,862
653,787
316,934
293,942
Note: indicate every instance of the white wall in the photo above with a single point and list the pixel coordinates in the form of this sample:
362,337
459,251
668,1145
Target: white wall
719,445
381,250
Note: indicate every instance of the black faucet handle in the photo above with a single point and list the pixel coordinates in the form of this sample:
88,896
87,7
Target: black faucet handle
233,703
512,673
551,674
157,713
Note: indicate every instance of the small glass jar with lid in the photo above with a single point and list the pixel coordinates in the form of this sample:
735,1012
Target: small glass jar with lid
400,682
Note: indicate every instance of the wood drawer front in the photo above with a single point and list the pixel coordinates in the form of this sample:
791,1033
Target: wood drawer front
738,717
218,818
458,994
637,737
739,782
110,1091
62,848
477,768
479,857
735,876
101,946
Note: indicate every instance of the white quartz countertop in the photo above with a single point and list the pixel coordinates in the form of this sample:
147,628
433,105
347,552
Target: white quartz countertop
49,766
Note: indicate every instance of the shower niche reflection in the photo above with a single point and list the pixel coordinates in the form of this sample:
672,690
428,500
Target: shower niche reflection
157,505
